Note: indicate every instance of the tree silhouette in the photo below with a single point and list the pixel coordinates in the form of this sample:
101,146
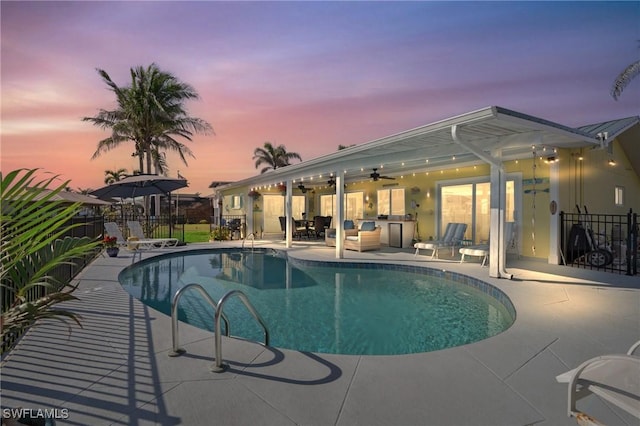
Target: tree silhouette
273,157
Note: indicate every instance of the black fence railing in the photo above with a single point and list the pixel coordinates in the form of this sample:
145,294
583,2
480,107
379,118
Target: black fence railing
90,226
235,224
163,226
600,241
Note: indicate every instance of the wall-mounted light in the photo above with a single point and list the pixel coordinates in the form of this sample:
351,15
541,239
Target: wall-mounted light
612,162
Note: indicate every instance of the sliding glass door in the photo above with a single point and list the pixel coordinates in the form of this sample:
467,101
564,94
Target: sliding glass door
470,203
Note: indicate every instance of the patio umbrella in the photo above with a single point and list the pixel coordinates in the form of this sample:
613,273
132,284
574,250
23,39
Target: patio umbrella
140,186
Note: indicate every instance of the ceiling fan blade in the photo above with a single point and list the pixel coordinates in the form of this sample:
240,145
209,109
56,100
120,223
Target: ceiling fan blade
387,177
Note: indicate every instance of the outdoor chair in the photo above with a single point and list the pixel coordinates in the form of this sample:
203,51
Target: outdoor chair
614,378
318,226
112,230
367,238
297,230
327,222
452,238
482,250
330,233
283,226
136,231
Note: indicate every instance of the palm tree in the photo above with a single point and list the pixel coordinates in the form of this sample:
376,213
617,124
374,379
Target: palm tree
624,78
274,157
151,114
111,176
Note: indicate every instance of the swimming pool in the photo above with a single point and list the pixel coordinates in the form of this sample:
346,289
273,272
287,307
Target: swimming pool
326,307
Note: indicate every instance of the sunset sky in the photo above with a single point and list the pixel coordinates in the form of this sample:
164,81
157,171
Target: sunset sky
310,76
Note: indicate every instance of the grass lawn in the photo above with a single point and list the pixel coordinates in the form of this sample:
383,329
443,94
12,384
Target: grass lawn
196,233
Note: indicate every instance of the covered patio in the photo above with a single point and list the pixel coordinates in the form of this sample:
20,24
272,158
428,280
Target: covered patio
489,136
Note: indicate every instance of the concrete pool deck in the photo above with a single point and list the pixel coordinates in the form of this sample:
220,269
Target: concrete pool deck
116,369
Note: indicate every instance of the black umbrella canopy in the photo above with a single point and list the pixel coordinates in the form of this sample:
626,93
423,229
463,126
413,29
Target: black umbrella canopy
140,186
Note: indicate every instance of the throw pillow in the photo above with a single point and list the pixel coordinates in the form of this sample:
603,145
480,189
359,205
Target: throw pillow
348,224
368,226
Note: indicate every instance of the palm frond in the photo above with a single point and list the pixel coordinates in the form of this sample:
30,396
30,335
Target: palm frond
624,78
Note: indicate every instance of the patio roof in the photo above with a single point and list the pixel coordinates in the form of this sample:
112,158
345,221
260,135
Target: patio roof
615,129
476,137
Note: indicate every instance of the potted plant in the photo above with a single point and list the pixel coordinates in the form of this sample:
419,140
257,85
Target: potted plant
282,189
254,194
111,245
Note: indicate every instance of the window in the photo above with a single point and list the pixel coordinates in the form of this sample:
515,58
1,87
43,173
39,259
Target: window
391,202
236,201
619,196
353,207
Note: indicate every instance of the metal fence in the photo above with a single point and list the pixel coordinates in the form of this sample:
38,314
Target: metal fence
600,241
91,226
236,225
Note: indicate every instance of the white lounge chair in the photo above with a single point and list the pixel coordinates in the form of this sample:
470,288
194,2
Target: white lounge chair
113,230
452,238
482,250
136,231
614,378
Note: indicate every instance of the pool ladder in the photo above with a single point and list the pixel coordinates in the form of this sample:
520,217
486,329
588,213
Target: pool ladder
219,316
253,238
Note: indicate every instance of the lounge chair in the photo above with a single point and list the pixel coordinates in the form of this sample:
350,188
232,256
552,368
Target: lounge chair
482,250
136,231
112,230
452,238
614,378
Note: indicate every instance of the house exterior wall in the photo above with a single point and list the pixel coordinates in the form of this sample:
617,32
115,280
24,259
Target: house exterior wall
591,181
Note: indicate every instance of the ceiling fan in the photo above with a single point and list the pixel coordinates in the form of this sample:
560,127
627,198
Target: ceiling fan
302,188
331,182
375,176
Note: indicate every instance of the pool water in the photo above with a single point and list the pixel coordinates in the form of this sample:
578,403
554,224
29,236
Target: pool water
330,308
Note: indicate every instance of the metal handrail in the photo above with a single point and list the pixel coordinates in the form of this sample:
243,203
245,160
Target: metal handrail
253,238
176,350
218,367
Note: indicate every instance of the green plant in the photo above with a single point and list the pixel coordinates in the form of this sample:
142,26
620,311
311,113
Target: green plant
220,233
33,245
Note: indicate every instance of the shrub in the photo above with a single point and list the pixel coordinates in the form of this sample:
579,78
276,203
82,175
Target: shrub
33,246
220,233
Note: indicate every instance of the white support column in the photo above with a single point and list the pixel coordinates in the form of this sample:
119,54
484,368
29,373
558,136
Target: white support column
288,214
554,219
497,246
339,223
249,216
